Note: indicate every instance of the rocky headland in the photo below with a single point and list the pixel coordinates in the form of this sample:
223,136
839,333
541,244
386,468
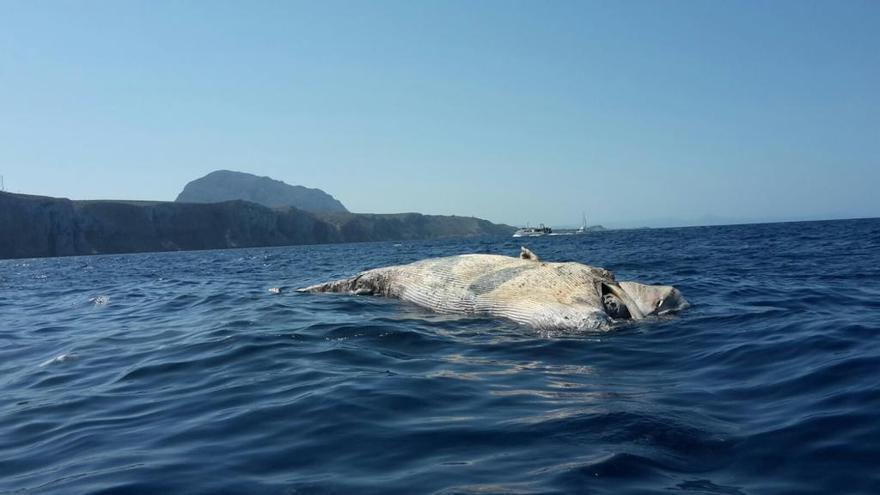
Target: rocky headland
39,226
226,185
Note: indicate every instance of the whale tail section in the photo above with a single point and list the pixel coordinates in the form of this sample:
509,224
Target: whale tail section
370,282
343,285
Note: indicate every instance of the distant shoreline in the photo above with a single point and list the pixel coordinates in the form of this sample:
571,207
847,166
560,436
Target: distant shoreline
41,226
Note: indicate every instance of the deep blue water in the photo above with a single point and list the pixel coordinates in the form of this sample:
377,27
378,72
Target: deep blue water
181,373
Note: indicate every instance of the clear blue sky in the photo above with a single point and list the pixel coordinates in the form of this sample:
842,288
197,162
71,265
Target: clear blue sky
637,112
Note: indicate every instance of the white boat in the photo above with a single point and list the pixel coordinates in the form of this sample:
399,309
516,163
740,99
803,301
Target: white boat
533,231
583,228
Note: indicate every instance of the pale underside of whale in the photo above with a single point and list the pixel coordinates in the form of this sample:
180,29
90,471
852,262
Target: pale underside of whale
547,296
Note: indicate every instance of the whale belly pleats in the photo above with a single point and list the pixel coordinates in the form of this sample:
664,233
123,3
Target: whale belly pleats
503,287
552,296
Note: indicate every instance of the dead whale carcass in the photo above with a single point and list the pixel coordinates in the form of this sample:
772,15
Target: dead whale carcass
543,295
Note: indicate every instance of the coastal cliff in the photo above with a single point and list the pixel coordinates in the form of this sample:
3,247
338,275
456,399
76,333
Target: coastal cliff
404,226
37,226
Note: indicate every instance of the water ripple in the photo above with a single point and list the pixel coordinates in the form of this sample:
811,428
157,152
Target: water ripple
182,373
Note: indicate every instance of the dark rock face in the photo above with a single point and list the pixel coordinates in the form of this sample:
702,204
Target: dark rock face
409,226
35,226
110,226
225,185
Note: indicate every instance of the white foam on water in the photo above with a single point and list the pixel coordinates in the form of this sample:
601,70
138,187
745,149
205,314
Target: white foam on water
100,300
66,356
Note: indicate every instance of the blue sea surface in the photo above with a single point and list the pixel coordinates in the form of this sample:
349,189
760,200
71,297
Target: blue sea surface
182,373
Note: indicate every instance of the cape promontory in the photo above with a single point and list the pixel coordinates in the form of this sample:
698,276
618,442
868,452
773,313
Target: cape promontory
37,226
226,185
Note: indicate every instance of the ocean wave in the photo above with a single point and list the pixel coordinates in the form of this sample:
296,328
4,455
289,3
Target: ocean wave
192,378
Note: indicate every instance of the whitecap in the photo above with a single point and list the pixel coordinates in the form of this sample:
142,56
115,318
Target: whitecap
66,356
100,300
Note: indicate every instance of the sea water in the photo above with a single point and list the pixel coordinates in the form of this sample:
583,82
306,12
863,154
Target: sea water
184,373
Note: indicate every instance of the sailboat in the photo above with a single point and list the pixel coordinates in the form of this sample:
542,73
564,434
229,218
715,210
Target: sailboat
583,228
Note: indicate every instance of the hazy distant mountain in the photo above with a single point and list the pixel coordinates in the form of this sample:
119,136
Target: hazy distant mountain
226,185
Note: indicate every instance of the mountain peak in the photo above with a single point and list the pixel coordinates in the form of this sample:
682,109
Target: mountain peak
227,185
